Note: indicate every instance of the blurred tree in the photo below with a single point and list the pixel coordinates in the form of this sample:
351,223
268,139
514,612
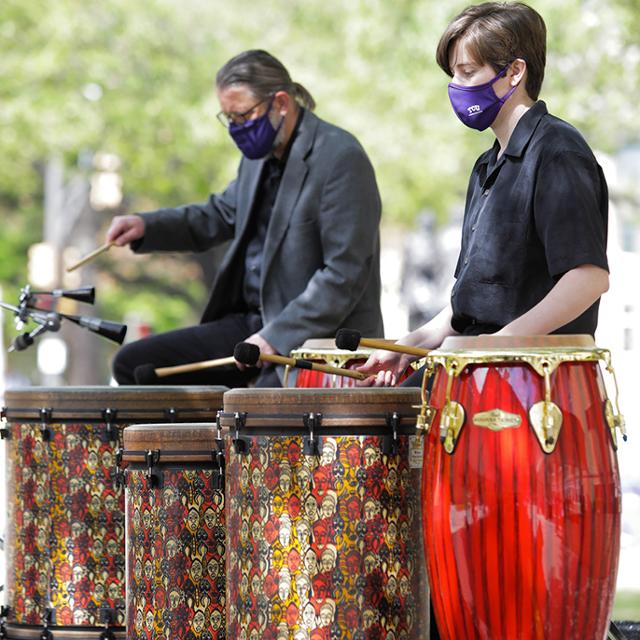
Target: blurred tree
136,79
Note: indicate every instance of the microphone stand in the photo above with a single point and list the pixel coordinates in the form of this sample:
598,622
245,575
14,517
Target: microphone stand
46,321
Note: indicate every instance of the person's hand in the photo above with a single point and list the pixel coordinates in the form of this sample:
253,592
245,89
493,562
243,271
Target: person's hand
385,368
125,229
262,344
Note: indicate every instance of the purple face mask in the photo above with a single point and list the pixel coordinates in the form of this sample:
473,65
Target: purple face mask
255,138
478,106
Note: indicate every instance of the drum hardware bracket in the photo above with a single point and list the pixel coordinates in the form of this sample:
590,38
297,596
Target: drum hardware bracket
49,618
424,420
614,421
311,444
239,418
152,458
452,416
390,442
545,416
172,414
120,478
107,616
110,416
217,457
45,417
4,432
451,421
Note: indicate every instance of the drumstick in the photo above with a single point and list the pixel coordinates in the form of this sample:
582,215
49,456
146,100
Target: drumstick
148,374
349,339
249,354
91,256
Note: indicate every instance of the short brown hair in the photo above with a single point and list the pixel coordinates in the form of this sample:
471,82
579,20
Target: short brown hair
498,33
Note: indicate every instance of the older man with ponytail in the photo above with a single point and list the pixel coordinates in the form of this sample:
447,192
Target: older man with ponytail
302,216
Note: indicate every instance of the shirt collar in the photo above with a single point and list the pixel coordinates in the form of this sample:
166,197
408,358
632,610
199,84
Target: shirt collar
517,142
524,129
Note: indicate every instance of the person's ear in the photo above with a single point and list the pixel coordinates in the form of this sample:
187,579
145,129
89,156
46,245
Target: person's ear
282,102
516,71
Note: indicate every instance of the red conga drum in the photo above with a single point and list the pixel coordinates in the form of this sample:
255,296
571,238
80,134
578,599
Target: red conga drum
66,538
324,351
521,491
174,478
323,514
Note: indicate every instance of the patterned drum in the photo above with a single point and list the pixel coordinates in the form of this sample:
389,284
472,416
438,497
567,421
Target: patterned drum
521,492
174,477
66,539
323,515
324,352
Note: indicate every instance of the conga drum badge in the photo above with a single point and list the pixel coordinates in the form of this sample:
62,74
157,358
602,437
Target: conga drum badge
66,526
323,514
521,491
174,476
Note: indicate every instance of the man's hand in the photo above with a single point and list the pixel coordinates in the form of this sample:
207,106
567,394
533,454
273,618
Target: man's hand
262,344
125,229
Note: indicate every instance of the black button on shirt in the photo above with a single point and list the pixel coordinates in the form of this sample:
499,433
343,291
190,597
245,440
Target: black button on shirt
531,215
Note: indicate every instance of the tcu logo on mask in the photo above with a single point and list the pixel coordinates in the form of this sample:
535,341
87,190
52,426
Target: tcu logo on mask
474,108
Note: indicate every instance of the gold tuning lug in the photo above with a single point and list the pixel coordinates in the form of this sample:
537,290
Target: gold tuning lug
451,422
615,419
424,419
452,416
545,416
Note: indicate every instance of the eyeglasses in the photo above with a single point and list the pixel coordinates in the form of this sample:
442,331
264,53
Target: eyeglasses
226,119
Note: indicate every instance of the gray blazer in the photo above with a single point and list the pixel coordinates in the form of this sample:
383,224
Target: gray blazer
321,261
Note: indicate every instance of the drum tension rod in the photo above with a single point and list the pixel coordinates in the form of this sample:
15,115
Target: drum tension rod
240,419
311,444
120,479
152,458
107,616
49,618
4,432
46,414
217,456
109,416
171,414
390,442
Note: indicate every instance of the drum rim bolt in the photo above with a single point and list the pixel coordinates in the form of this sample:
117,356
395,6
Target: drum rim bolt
312,420
453,415
424,419
4,432
46,415
615,419
545,416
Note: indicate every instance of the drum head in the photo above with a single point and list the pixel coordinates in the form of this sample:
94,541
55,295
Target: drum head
175,442
338,407
129,403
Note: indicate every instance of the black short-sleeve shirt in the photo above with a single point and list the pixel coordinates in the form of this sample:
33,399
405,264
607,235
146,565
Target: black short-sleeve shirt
531,215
